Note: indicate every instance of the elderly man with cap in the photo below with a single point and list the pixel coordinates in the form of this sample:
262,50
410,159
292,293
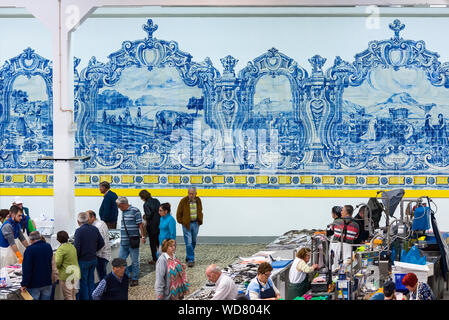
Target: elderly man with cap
26,223
115,285
225,286
9,232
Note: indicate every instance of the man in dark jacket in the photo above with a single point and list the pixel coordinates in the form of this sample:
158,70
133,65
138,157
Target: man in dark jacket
88,241
151,208
190,215
37,268
360,219
108,209
115,285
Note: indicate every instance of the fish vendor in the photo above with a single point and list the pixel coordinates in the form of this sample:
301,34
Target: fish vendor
9,232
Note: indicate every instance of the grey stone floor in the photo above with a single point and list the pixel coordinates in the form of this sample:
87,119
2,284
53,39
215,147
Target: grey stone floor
205,254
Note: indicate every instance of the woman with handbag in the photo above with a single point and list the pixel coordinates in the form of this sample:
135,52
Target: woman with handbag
171,278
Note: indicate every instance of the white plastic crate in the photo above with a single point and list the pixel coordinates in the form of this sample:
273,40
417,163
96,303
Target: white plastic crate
421,271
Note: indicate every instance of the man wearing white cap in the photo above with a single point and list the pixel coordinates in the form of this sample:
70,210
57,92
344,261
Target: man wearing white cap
26,223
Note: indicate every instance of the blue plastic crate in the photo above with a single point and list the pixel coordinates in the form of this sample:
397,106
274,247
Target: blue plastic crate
280,263
398,282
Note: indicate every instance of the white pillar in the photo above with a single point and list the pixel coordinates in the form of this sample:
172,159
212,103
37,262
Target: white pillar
62,17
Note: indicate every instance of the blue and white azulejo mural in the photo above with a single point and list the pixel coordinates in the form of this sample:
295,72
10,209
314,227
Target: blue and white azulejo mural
152,116
26,117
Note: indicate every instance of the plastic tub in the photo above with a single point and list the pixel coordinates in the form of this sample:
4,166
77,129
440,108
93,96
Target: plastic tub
398,281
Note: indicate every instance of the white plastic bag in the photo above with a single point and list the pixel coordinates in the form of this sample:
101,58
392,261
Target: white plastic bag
5,281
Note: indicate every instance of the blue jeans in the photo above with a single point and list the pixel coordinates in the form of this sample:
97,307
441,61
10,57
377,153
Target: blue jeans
190,240
42,293
87,279
101,268
125,251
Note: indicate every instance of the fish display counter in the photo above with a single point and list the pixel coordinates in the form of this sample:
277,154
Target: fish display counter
10,286
10,290
280,253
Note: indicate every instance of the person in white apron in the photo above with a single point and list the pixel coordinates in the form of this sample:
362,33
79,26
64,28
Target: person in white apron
12,240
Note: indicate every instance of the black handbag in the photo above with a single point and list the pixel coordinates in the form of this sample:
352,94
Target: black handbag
134,242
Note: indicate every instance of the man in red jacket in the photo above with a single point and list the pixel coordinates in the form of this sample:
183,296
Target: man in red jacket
190,215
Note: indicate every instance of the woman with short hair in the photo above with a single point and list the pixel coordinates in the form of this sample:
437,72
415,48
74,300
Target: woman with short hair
418,290
299,282
171,278
262,287
167,224
67,264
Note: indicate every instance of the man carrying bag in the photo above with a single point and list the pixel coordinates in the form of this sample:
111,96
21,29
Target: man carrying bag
130,237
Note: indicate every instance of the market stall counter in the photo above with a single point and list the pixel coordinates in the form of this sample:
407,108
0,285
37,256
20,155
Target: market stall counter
244,269
280,253
11,289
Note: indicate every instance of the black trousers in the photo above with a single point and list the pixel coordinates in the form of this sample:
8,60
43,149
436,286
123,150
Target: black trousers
154,242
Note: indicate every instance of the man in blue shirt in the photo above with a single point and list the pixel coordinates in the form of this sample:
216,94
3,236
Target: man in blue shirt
115,285
9,232
108,209
37,268
131,224
88,241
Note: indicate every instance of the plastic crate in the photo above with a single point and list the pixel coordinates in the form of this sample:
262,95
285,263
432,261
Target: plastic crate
398,282
280,263
319,287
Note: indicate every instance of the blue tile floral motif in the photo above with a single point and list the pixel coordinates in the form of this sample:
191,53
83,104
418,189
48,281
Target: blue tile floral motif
207,179
185,179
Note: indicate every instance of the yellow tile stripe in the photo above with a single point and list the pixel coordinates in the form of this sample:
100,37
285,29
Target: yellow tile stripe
306,179
218,179
151,179
251,193
240,179
127,179
285,179
174,179
350,180
196,179
372,180
40,178
262,179
328,180
83,178
107,178
396,180
18,178
420,180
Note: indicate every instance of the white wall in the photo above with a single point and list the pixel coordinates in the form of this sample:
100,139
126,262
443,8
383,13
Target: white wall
238,216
